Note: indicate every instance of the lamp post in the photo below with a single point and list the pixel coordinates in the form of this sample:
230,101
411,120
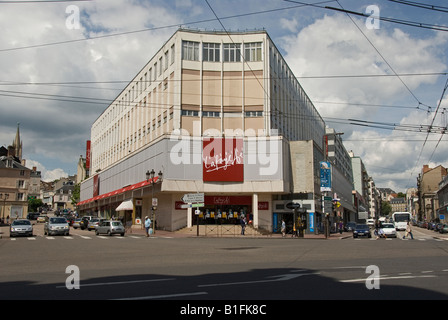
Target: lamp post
4,196
150,176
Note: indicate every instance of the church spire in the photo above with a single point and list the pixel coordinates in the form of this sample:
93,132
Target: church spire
17,144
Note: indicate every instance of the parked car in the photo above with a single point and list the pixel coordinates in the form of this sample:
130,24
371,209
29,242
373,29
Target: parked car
388,230
77,223
438,226
41,218
444,229
56,225
350,226
110,227
362,230
21,227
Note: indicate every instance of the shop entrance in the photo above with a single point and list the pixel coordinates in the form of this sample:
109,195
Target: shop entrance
222,214
288,217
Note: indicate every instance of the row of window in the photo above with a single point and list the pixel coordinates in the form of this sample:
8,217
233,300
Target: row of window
231,51
214,114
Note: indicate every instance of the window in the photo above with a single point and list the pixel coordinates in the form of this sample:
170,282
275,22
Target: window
166,61
232,52
190,50
211,114
190,113
251,114
173,54
252,51
210,52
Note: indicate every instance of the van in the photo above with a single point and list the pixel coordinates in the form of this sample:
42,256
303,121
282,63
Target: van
371,222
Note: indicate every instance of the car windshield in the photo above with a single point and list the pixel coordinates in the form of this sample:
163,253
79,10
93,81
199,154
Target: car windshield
361,226
58,220
116,223
94,220
21,223
388,225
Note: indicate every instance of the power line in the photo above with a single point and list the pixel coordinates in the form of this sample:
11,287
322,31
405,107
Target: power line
155,28
422,5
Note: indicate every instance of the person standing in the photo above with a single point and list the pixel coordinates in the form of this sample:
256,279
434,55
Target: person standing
243,224
408,231
147,225
283,228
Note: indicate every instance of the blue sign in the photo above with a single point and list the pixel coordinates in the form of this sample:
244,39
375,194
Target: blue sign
325,176
311,220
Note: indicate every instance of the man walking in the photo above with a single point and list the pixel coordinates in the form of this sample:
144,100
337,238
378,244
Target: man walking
408,231
147,225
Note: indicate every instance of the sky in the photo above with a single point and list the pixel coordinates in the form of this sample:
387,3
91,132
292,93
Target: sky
377,76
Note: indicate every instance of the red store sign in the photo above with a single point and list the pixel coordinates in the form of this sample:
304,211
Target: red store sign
222,159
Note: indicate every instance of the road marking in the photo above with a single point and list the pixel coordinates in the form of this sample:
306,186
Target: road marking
118,283
281,277
67,237
50,238
174,295
13,239
389,278
85,237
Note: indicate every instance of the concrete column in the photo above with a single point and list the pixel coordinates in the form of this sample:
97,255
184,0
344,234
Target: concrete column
255,210
189,217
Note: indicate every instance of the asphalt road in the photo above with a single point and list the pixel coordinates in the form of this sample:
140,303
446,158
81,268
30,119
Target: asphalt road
84,266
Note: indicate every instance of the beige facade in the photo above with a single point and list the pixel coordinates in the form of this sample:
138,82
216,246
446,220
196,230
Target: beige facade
428,185
14,183
200,85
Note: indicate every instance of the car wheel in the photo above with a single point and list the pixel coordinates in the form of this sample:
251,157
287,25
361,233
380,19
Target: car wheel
96,232
108,233
122,234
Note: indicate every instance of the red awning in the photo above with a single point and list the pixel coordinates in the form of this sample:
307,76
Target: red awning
120,191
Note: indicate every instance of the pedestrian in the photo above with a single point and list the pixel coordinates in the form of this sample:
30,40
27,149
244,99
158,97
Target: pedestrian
243,224
341,226
408,231
283,228
147,225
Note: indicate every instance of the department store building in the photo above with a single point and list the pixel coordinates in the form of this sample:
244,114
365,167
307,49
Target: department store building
215,113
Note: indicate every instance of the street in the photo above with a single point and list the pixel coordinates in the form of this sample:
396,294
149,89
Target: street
86,266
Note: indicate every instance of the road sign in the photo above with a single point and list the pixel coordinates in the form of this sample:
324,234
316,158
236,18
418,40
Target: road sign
293,205
193,198
191,205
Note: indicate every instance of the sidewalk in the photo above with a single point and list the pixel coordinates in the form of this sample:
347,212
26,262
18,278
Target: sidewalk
192,233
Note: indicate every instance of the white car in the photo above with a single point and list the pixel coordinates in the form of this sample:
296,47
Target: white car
388,230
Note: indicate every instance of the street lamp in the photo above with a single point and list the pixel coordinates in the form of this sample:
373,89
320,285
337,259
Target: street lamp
4,196
150,176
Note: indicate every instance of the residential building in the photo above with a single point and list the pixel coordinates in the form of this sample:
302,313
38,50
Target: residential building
361,187
14,181
214,113
428,185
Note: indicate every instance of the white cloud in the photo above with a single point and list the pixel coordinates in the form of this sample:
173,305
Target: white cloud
334,46
46,175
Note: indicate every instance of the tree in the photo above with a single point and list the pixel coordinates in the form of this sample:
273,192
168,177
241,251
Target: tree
386,208
75,194
34,204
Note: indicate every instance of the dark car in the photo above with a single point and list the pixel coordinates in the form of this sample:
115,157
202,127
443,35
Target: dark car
350,226
362,230
32,215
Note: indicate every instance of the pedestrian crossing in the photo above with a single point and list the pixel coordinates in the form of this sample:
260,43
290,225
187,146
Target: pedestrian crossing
82,237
